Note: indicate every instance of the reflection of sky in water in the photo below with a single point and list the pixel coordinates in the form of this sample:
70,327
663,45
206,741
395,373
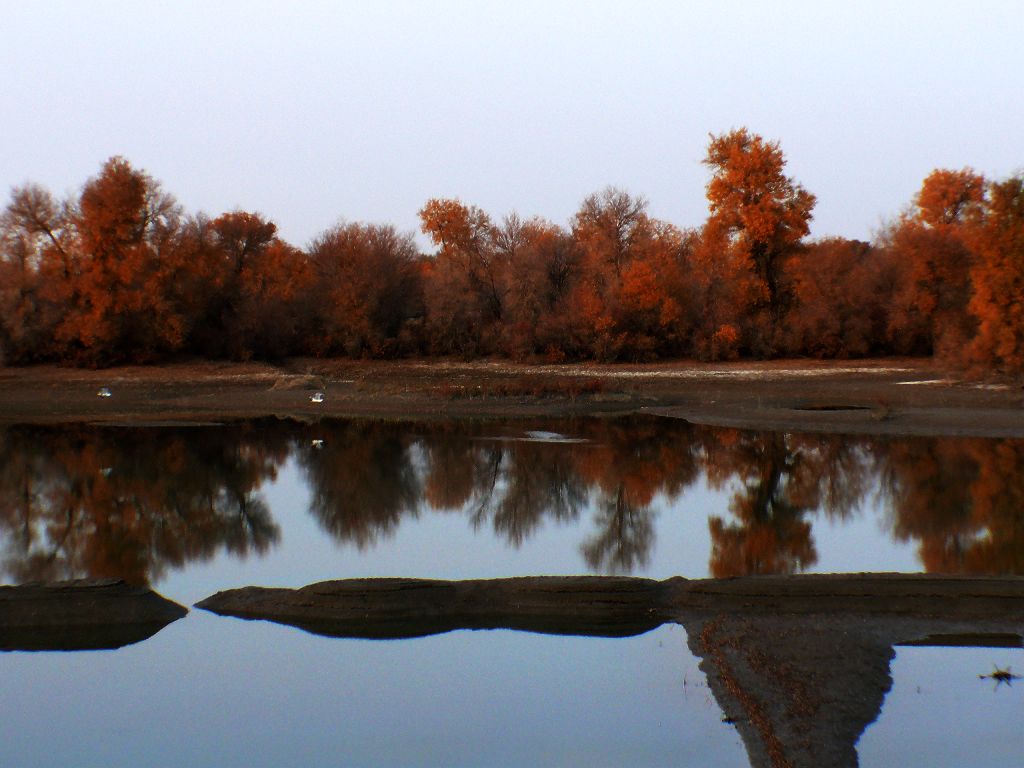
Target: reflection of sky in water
222,692
939,713
214,692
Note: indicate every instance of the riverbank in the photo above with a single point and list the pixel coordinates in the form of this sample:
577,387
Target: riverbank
890,396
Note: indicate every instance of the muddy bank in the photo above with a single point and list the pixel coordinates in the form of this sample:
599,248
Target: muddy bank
613,606
901,396
81,615
401,608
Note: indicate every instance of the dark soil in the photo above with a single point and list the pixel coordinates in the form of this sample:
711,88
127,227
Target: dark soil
895,396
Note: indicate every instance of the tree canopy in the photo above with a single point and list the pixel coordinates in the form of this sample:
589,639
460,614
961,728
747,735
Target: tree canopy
119,272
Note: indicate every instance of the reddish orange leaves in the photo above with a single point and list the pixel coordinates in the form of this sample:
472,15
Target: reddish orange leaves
119,274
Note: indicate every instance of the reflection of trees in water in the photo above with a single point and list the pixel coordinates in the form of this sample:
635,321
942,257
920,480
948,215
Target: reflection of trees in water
369,475
120,502
781,480
129,503
771,534
962,500
624,538
362,480
525,484
633,462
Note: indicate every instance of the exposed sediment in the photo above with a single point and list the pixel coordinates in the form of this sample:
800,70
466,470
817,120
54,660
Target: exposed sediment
609,605
395,608
81,615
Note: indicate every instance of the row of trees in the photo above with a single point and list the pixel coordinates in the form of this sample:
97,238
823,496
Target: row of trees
121,274
132,503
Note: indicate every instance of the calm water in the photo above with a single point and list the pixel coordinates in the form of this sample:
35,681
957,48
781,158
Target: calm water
195,510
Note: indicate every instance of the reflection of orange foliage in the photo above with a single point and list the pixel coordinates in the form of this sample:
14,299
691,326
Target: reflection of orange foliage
781,480
963,500
998,508
89,502
771,535
129,503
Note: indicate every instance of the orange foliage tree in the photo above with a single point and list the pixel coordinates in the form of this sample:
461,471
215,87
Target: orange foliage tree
119,274
608,229
932,241
36,266
124,229
367,291
259,309
759,216
997,275
464,285
631,296
842,294
543,267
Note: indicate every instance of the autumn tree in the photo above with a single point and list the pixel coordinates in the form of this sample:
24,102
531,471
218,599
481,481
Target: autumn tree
543,267
932,240
367,290
464,286
124,226
842,296
998,279
262,282
759,216
623,303
656,309
36,270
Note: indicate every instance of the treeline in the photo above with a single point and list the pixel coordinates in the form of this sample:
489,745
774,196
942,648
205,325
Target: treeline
121,273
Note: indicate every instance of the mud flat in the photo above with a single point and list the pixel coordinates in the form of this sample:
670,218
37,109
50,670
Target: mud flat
615,606
401,608
889,396
81,615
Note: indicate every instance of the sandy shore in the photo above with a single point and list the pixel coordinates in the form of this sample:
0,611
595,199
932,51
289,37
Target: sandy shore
891,396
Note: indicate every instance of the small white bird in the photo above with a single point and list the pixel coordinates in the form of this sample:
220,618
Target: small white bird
103,392
317,443
317,397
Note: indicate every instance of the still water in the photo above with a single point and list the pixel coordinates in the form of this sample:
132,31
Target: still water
195,510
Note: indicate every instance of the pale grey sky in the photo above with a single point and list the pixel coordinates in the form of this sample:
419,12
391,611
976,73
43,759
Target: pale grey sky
315,111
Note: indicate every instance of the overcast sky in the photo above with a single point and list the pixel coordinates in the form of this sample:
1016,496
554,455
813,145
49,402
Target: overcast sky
313,112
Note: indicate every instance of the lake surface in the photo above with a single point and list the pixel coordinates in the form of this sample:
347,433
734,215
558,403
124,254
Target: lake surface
195,510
